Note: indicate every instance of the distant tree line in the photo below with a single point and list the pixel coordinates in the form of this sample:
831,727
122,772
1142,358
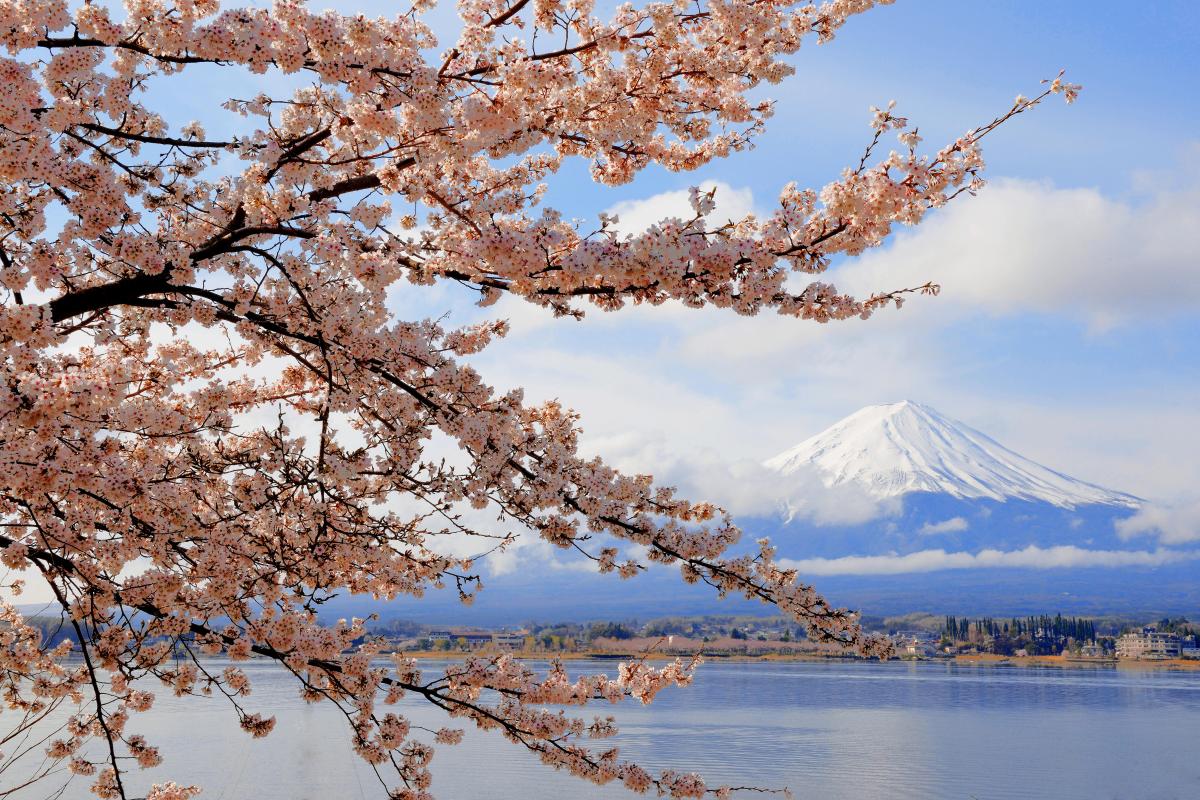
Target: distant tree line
1036,635
1179,625
1057,627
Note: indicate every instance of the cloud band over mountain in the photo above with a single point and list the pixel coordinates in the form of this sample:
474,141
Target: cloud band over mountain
1032,557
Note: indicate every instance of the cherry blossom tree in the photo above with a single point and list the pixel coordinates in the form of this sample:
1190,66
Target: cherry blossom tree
211,421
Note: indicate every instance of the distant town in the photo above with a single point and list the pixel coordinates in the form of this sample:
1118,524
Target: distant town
915,636
1072,638
919,636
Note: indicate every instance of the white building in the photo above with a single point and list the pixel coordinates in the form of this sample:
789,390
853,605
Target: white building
475,639
1149,644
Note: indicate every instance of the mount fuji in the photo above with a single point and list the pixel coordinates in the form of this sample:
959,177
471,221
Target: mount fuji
946,487
962,525
971,525
897,449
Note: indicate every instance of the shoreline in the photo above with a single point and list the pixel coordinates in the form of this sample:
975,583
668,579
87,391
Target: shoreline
1060,662
973,660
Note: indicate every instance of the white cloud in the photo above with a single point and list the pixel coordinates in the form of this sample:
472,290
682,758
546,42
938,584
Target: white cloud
1175,523
637,215
529,548
641,419
747,488
952,525
1030,246
1032,557
35,589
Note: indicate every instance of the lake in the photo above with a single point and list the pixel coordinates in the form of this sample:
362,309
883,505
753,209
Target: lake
833,731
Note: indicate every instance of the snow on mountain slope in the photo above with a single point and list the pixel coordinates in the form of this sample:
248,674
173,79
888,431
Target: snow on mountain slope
892,450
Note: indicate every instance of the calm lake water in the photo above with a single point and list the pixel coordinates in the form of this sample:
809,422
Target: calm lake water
833,731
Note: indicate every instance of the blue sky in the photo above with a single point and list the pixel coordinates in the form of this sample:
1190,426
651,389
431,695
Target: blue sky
951,65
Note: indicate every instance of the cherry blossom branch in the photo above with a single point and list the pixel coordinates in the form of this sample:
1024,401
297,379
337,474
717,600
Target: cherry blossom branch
136,471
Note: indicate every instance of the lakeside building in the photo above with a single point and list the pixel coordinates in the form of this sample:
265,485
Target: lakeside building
1189,647
474,639
1149,644
512,641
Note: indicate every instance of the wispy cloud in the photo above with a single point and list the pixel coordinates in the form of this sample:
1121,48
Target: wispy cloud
952,525
746,488
1173,522
1032,557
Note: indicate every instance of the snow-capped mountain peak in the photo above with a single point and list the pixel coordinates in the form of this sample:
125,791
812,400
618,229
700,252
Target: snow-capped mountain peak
898,448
